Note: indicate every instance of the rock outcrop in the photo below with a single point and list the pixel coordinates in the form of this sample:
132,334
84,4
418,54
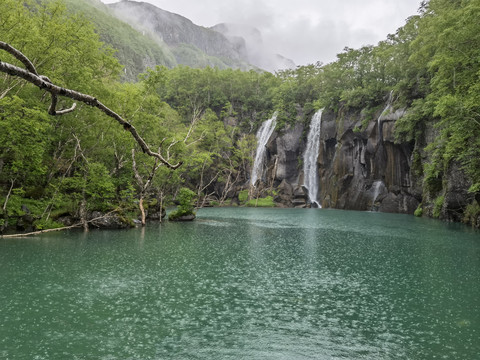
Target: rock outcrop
365,170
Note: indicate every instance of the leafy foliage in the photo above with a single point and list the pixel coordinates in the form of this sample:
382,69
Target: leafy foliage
185,199
261,202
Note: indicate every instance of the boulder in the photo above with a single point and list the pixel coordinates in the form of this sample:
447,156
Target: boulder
299,193
285,188
109,221
299,202
189,217
389,204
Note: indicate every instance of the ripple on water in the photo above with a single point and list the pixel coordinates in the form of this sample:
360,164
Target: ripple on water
246,284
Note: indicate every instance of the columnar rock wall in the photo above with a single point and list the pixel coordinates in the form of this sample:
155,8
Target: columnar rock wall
363,168
358,170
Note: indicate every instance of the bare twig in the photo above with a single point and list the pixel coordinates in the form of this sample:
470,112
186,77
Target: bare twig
197,114
8,195
8,89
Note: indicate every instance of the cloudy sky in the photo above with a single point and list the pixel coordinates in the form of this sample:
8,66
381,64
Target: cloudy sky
305,31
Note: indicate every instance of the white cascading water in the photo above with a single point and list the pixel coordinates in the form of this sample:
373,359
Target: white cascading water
310,168
384,112
263,134
377,185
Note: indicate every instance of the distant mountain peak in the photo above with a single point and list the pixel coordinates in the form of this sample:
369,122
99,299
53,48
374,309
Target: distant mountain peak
224,45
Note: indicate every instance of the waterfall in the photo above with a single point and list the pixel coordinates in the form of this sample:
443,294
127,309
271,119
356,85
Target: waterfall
263,135
382,115
377,185
310,168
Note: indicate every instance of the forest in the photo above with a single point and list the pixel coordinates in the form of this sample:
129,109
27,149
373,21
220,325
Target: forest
54,168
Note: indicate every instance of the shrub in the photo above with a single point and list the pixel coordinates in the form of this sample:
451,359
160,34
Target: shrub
437,207
261,202
472,214
185,198
243,196
42,224
419,211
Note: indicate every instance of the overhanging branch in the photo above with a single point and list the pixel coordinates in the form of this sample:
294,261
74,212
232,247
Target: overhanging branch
30,74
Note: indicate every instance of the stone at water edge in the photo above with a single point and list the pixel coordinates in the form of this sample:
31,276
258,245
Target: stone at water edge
190,217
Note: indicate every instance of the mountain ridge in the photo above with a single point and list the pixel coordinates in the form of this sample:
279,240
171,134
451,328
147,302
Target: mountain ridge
234,49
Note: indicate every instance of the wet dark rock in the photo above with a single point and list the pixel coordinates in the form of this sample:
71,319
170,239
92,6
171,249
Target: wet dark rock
300,193
109,221
189,217
289,151
362,167
457,196
284,194
67,220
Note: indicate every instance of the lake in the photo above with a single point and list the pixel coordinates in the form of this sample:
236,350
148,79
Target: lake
242,283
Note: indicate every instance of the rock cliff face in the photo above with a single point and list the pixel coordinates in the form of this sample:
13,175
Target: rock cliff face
358,170
365,170
361,169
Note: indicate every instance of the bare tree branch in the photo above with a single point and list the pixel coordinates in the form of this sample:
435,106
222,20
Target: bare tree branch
19,56
144,185
44,83
8,89
4,208
197,114
31,68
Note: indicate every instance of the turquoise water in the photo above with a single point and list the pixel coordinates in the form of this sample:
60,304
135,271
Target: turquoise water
246,284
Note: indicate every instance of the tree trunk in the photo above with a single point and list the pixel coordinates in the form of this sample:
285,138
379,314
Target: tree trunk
4,208
161,206
83,215
83,212
142,210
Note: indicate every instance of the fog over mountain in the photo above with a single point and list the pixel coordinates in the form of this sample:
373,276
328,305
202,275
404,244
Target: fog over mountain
231,45
305,31
255,50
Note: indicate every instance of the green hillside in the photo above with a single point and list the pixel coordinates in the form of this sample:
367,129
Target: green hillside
138,50
134,50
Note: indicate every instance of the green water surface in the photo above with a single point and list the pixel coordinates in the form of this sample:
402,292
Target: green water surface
246,284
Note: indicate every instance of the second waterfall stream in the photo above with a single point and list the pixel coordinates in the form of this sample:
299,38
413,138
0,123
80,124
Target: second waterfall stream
263,135
310,167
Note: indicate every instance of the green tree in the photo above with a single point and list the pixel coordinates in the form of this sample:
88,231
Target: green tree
449,43
185,208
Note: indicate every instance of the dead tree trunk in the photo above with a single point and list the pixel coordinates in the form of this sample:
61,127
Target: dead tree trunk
144,186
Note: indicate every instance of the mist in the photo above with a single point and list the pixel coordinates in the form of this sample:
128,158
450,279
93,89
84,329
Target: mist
305,31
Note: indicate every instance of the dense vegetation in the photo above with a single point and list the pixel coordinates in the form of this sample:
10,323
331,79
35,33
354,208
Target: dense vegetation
83,162
134,50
